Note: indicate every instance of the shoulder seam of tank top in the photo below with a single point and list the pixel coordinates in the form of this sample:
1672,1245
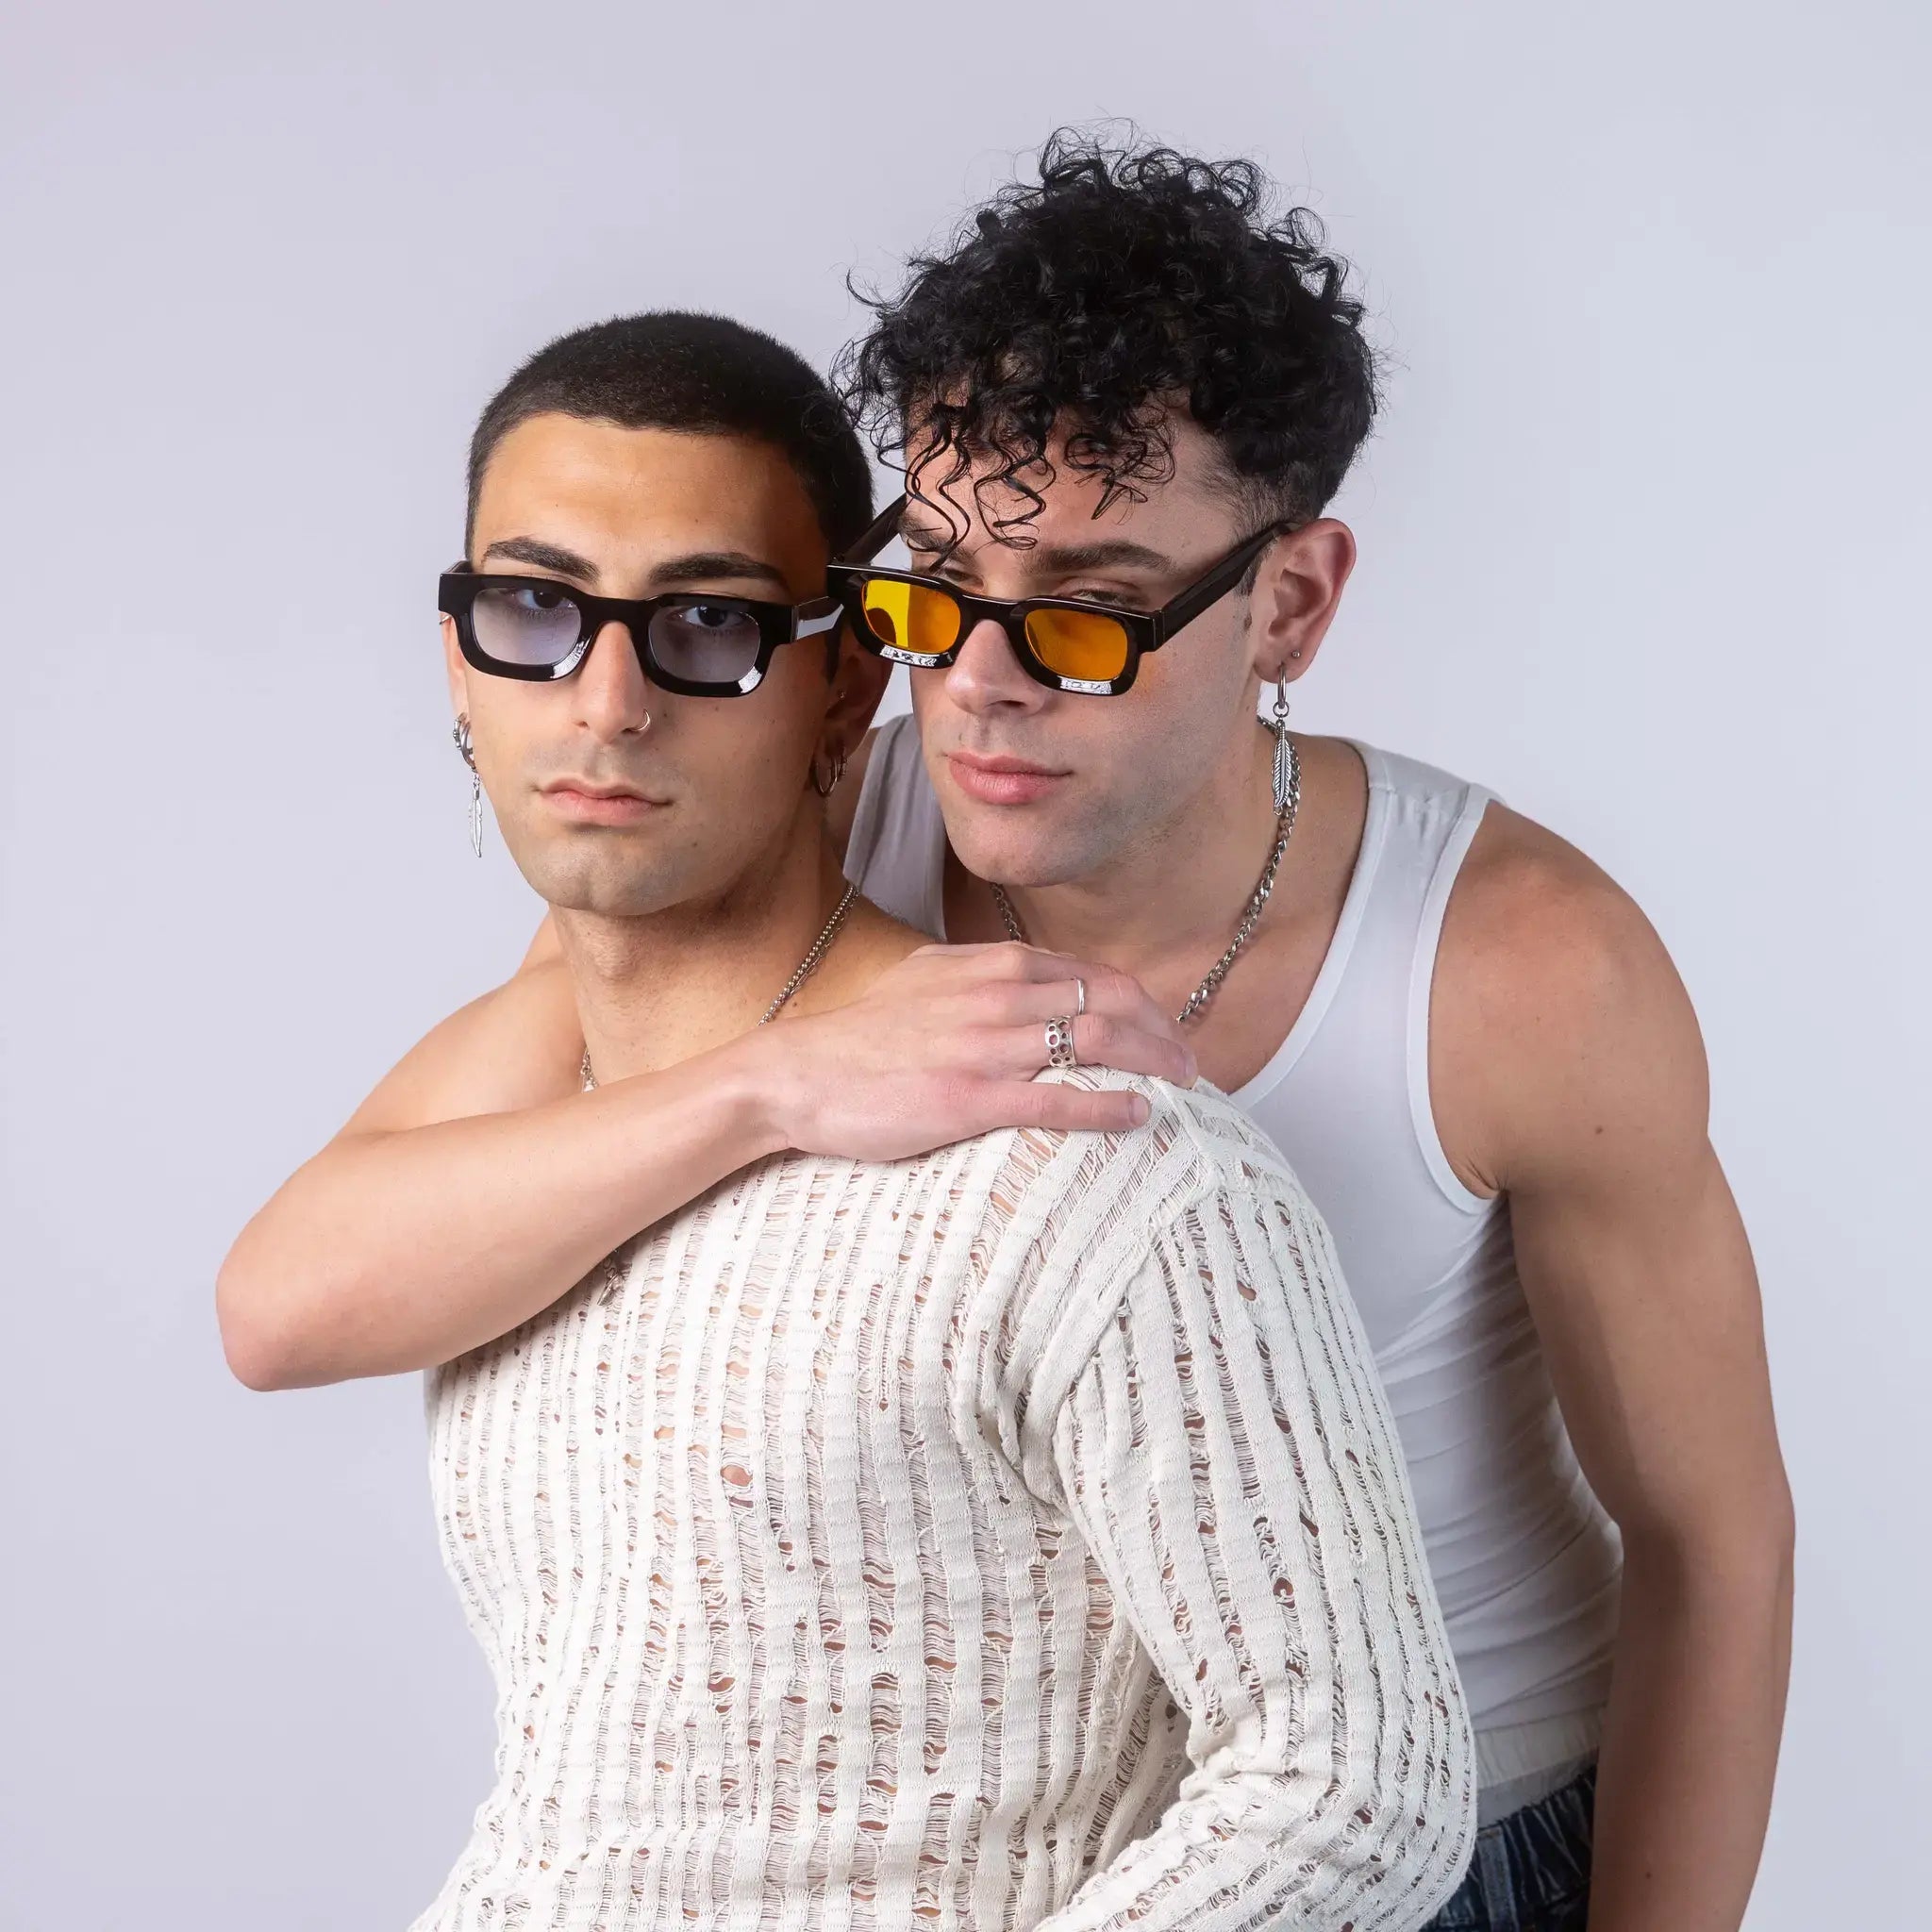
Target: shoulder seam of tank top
1354,906
1422,979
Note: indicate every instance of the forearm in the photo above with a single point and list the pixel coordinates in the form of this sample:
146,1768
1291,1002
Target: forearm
390,1252
1690,1737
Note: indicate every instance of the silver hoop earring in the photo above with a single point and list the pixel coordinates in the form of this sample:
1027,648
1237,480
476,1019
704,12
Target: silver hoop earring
836,761
461,732
1283,763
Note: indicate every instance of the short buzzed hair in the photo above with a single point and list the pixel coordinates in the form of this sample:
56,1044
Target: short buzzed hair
706,374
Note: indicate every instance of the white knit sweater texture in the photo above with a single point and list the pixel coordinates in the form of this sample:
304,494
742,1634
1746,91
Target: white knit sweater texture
1015,1536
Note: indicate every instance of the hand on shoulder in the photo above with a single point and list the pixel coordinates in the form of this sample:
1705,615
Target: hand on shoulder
947,1043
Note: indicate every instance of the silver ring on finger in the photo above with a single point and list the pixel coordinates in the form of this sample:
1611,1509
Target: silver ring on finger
1079,997
1060,1043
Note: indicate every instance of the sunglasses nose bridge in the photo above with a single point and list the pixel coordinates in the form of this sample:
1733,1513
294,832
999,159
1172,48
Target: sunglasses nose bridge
615,674
988,668
634,641
987,630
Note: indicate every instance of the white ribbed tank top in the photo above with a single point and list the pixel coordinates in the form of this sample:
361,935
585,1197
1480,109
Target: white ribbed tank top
1525,1562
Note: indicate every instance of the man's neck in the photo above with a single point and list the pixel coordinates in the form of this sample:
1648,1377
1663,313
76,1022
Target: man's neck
1167,911
658,988
1176,891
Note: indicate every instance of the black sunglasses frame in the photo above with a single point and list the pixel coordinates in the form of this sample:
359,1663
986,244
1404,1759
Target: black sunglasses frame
778,623
1146,630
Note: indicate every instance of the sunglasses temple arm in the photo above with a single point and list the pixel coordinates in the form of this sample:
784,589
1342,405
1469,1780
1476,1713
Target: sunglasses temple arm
1214,586
813,619
875,539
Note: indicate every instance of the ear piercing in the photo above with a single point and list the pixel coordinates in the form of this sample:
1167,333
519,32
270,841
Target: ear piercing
461,732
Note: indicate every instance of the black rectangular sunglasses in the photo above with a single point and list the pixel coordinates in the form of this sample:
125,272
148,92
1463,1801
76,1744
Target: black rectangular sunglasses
1064,642
694,642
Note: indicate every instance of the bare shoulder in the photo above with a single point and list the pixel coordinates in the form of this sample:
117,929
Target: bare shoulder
1534,925
518,1045
1553,995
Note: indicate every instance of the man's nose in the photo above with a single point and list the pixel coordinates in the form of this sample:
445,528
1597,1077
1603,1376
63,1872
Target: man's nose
613,695
987,674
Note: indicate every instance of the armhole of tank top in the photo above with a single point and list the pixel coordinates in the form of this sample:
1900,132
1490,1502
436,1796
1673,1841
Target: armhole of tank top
1421,984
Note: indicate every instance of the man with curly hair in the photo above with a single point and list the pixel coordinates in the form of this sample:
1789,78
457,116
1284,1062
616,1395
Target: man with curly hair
1127,389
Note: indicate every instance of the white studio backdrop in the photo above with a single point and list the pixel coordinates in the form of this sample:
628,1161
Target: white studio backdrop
1642,547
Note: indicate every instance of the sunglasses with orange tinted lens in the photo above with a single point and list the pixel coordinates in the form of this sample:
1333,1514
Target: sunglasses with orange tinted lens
1067,643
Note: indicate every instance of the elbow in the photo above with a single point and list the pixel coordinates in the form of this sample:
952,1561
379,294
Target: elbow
257,1356
261,1342
1447,1844
1785,1526
1417,1802
1397,1836
1403,1824
1740,1554
1779,1539
1444,1822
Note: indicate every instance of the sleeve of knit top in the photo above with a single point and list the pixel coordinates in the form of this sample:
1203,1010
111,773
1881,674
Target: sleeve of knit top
1228,1455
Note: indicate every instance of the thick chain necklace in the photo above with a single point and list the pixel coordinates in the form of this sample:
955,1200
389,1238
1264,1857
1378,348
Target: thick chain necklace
1284,830
807,966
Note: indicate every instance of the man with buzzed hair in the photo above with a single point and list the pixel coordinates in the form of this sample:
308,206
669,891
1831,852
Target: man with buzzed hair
1000,1530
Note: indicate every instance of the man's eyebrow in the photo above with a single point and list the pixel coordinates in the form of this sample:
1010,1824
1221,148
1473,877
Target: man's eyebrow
1114,554
542,555
1060,560
711,566
698,567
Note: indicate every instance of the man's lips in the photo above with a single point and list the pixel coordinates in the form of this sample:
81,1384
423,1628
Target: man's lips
599,804
1001,780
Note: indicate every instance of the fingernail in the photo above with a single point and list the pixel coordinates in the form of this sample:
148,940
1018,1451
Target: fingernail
1193,1070
1140,1110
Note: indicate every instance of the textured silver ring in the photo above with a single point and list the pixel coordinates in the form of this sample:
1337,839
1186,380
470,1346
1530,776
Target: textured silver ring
1060,1043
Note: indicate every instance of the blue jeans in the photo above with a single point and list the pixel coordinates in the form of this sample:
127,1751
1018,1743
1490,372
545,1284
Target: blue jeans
1531,1869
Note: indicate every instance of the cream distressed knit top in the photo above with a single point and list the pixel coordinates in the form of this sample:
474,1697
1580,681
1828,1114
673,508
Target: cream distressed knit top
1014,1537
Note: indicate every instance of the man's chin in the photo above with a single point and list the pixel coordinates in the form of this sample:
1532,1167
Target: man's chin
1038,860
584,881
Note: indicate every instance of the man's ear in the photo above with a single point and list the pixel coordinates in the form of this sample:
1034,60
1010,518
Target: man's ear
859,682
454,667
1297,589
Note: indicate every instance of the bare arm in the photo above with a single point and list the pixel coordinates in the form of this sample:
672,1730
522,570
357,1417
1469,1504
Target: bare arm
1581,1086
474,1186
477,1184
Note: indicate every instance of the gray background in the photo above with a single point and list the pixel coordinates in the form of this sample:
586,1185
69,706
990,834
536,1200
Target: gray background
1642,548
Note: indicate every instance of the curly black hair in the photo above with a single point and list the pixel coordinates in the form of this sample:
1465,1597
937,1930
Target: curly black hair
1127,279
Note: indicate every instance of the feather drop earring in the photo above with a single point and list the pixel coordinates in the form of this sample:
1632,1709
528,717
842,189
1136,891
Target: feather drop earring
461,732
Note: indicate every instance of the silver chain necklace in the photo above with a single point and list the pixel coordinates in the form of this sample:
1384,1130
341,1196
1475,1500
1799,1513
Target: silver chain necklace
1284,830
807,966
